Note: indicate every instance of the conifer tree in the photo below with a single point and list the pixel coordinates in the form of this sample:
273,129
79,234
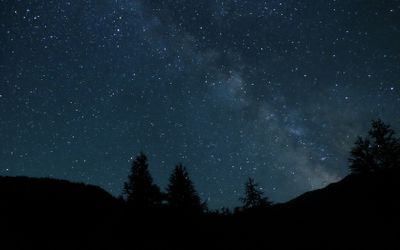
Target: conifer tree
253,197
380,153
181,193
140,189
362,160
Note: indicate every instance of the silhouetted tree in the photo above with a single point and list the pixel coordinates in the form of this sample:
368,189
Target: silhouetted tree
380,153
181,193
140,189
253,197
362,159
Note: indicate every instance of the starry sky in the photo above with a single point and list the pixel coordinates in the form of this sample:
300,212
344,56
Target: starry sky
273,90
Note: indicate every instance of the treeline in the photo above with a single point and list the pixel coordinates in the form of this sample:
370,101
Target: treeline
359,212
369,155
141,191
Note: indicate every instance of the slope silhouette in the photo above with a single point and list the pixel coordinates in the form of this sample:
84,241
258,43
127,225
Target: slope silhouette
22,189
358,212
44,212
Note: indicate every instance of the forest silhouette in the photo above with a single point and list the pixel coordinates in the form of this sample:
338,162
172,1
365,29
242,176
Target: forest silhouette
359,212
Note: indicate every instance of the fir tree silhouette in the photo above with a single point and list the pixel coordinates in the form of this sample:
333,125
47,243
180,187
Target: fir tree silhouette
140,189
253,197
181,193
381,152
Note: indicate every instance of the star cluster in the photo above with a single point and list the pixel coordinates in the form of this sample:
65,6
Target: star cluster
274,90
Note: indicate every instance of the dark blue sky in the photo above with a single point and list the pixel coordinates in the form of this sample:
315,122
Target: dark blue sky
273,90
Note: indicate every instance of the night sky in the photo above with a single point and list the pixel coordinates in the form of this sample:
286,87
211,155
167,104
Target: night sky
273,90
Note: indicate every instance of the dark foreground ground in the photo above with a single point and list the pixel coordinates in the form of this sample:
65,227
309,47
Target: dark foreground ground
359,212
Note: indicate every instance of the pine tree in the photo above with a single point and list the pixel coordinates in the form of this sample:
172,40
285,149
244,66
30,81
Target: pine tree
386,146
253,197
380,153
140,189
181,193
362,160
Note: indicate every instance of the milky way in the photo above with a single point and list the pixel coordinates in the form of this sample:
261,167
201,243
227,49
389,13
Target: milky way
273,90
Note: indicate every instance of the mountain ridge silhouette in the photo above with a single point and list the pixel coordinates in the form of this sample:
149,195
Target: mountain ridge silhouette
358,212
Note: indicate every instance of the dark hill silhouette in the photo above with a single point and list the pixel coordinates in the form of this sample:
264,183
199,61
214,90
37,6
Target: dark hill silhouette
44,212
353,190
358,212
26,189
